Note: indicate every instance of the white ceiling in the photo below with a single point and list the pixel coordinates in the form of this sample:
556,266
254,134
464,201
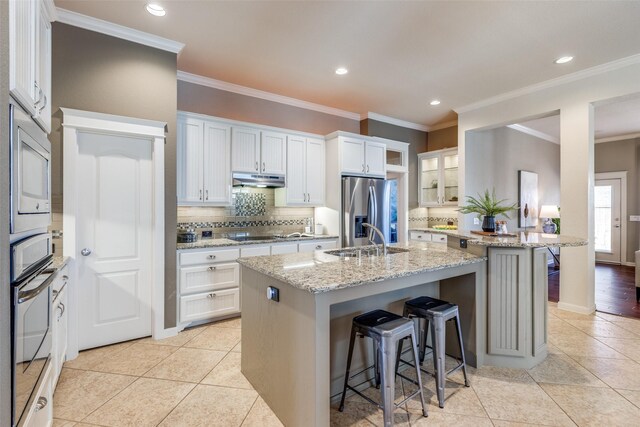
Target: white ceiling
615,119
400,55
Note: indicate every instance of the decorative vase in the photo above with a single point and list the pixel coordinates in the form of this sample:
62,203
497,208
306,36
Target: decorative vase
489,223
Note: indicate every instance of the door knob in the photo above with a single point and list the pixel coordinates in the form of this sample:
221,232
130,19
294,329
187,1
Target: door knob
617,226
85,252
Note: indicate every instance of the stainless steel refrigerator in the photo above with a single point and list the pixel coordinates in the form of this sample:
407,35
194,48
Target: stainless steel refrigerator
364,200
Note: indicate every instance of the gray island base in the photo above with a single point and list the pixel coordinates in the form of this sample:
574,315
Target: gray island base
294,351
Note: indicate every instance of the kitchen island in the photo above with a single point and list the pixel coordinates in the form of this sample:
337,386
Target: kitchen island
294,350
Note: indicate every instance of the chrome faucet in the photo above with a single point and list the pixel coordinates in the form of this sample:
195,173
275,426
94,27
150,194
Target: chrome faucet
377,230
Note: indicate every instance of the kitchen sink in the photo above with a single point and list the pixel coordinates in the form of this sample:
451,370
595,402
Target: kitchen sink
365,251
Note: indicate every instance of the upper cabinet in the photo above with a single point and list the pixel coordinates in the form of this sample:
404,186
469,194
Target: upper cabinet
305,173
204,158
254,151
362,157
438,178
30,57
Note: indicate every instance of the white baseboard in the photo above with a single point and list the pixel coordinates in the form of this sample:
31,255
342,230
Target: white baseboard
629,264
165,333
576,308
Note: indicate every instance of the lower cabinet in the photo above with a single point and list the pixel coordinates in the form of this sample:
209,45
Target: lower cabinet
209,279
423,236
59,333
41,413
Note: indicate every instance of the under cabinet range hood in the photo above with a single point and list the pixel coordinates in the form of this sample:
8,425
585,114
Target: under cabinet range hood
257,180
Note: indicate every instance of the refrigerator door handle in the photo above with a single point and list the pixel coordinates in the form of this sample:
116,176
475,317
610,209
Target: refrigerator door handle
371,210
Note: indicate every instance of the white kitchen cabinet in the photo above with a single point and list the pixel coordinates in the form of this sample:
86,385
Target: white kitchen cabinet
245,150
209,305
438,178
204,153
284,248
273,153
422,236
41,412
59,333
305,173
256,151
202,278
255,250
209,256
30,57
361,156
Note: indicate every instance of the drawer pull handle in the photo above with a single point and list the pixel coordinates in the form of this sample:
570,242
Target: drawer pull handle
65,277
318,246
419,237
211,257
211,295
212,268
41,403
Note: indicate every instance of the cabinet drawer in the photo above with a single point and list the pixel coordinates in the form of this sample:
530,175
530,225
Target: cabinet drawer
440,238
209,305
289,248
255,251
318,245
41,412
420,236
207,257
203,278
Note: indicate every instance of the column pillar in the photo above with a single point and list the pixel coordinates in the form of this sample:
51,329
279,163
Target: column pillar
577,264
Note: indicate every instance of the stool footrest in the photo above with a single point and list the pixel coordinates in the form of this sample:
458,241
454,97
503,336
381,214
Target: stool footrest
367,398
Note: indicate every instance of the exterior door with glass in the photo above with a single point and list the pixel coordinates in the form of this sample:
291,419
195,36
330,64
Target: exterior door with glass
608,221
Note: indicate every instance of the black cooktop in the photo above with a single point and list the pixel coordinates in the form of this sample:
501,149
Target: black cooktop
251,238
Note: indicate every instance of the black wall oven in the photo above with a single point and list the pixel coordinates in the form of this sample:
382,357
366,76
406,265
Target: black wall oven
31,278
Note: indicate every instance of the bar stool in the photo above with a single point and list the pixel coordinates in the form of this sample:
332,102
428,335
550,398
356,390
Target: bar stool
387,330
435,313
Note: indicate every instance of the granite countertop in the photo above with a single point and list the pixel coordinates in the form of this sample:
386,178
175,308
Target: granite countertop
59,262
222,242
318,272
523,239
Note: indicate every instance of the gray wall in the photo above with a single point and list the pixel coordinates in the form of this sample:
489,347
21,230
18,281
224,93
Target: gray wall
96,72
624,156
417,144
494,157
5,305
214,102
443,138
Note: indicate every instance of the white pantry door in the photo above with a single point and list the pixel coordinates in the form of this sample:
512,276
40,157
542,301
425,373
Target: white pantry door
114,238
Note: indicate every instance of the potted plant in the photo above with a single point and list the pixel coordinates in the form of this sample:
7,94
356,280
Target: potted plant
487,206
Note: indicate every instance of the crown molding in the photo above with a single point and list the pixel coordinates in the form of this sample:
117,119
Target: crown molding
257,93
50,10
533,132
443,125
119,31
394,121
568,78
618,137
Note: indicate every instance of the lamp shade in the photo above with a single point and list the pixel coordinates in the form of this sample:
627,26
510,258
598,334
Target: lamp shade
549,211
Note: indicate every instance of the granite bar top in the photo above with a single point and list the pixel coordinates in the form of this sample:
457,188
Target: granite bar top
222,242
529,239
59,262
318,272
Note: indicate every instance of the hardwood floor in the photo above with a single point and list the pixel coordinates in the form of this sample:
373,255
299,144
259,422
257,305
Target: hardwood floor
615,289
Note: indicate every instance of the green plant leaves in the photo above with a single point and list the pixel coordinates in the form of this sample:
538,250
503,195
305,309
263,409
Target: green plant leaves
487,205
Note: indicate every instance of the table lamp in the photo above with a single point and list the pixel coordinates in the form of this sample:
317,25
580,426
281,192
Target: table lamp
548,212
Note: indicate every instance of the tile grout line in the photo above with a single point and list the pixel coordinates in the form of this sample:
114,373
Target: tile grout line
249,411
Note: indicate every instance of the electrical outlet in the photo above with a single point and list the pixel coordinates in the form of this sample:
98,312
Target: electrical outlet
634,218
207,234
476,221
463,243
273,293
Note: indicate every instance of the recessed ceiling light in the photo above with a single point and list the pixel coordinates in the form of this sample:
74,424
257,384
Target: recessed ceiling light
341,71
564,59
156,9
434,102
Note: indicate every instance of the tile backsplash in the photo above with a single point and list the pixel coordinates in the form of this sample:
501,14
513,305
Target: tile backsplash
428,217
252,210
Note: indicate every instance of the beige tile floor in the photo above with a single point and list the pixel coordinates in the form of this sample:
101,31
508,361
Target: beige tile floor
590,378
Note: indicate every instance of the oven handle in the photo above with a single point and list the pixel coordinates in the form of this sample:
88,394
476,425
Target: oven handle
24,296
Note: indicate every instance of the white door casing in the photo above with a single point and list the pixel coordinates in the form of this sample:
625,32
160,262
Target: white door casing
615,182
121,160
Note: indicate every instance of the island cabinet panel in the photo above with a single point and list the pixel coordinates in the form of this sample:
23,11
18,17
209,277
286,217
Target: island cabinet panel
540,297
508,293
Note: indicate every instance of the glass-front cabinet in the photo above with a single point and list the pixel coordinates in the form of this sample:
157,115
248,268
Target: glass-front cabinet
438,178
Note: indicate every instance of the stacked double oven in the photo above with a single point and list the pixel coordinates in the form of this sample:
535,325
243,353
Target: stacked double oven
31,258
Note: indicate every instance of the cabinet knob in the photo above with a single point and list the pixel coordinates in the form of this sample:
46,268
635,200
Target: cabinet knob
264,166
211,295
318,246
206,192
211,257
256,165
363,167
85,252
200,194
212,268
41,403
